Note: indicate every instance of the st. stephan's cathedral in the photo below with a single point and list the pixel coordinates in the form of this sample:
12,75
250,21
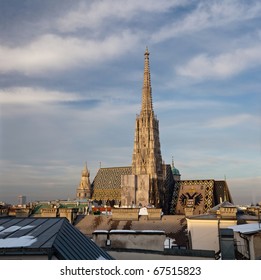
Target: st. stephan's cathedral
149,181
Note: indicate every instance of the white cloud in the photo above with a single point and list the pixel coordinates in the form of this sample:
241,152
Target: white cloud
30,95
209,14
51,53
229,121
21,101
94,15
223,65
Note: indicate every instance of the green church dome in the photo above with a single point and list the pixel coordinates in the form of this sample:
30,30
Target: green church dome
175,171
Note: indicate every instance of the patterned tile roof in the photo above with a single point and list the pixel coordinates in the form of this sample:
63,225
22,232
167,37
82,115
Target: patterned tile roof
221,190
213,191
107,182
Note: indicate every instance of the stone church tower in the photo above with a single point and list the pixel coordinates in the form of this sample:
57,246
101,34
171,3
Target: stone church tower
84,189
143,186
149,181
146,157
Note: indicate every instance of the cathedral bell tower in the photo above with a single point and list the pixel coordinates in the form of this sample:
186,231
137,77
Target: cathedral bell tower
143,187
146,157
84,188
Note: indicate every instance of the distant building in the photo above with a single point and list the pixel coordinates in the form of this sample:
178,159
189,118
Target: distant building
59,208
21,199
4,209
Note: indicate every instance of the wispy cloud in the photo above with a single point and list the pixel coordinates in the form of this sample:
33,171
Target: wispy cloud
52,52
221,66
115,102
232,120
91,16
209,14
31,95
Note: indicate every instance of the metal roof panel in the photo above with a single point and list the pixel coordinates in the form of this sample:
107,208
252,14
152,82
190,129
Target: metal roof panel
55,235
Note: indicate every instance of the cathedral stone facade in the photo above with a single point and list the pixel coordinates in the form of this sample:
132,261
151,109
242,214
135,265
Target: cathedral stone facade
149,181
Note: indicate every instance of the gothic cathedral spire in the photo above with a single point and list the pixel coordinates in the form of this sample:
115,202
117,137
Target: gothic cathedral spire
146,107
146,153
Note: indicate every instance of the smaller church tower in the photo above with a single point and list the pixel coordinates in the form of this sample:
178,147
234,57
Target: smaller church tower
84,188
175,171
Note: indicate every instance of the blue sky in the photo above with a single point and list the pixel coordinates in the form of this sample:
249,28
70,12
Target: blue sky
70,88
